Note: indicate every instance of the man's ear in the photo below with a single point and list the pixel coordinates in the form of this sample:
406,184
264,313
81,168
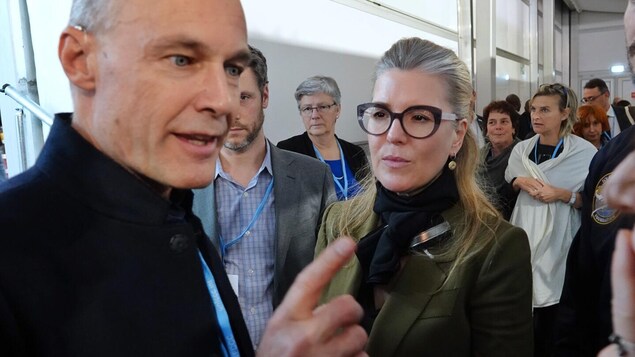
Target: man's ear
74,52
265,96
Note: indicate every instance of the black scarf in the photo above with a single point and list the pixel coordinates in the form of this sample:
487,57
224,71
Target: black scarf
403,217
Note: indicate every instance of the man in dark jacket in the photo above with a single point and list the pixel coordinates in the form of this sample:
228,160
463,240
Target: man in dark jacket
584,321
597,92
101,254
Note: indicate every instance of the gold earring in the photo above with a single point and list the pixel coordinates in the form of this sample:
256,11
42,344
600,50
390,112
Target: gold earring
452,163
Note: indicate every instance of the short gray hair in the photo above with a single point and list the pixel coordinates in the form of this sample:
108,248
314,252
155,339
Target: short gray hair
92,15
418,54
316,85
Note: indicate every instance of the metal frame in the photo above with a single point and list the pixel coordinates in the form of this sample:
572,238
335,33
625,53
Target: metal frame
27,103
20,122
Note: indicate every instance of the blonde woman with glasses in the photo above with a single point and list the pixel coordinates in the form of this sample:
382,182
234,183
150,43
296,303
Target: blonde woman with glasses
319,103
437,271
549,170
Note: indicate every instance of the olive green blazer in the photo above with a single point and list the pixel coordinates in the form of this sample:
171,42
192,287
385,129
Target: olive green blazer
484,309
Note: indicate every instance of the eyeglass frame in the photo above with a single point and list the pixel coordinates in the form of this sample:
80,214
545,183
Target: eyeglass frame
559,87
326,107
586,100
562,89
437,113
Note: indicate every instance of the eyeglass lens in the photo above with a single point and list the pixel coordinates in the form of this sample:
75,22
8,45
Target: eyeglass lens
320,109
416,122
590,99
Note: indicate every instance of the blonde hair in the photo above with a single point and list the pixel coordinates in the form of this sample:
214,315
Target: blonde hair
428,57
566,99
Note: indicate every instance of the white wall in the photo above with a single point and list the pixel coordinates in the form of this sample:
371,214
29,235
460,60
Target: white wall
603,44
48,19
602,41
328,25
320,37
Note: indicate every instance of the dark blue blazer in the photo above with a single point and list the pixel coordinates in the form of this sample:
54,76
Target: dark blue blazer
94,263
584,320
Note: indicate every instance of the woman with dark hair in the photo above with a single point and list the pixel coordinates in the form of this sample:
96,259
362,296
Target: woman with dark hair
593,125
501,122
548,171
438,272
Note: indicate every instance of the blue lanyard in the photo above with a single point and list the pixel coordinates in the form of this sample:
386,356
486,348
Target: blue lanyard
555,151
344,189
228,342
224,246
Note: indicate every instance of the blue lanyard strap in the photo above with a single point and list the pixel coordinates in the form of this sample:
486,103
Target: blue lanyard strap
343,189
224,246
553,154
228,342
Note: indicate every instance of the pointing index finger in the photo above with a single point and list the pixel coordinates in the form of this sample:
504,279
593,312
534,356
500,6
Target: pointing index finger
303,295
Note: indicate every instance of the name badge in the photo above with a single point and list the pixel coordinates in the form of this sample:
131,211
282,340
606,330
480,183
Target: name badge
233,280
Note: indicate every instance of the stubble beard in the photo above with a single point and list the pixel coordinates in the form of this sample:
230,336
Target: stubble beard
249,139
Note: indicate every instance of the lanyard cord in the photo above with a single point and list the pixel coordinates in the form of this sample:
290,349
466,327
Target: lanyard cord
555,151
224,246
229,346
343,189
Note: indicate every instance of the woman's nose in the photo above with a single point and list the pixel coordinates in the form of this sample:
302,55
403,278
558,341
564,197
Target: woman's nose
396,132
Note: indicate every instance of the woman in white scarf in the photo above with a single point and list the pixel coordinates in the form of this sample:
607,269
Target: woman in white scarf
549,170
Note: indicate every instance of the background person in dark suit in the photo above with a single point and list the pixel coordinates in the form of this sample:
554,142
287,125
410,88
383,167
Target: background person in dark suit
584,317
596,92
514,101
585,321
525,131
620,194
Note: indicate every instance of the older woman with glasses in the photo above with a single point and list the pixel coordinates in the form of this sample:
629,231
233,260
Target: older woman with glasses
548,170
437,271
318,100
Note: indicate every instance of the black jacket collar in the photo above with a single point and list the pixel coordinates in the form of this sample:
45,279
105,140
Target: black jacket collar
89,176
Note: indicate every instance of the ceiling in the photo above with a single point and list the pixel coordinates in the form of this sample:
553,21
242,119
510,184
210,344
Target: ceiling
617,6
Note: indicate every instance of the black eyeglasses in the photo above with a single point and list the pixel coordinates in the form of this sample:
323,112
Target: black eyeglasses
322,108
591,98
419,121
